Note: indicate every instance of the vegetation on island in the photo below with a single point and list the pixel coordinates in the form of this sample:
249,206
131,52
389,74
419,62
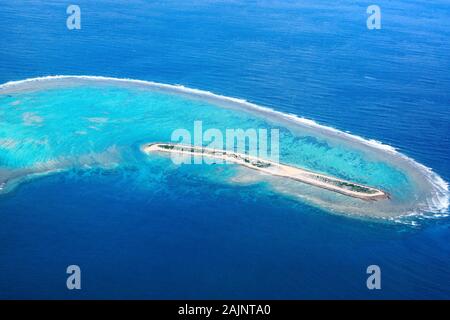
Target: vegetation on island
257,163
263,164
347,185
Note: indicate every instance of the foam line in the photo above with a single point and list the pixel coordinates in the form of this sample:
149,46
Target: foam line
438,203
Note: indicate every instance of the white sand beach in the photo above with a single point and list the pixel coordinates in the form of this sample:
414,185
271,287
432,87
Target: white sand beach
341,186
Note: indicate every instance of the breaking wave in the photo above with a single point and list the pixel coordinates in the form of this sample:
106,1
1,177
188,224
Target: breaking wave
436,204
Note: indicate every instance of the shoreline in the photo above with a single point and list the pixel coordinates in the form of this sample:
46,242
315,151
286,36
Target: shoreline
330,183
431,190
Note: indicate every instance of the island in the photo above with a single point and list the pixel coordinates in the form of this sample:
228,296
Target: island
323,181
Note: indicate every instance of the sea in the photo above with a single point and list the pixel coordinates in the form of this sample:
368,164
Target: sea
362,104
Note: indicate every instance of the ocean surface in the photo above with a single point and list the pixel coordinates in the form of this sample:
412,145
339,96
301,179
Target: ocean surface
371,106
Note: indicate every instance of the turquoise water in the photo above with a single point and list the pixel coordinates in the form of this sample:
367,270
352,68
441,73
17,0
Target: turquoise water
76,189
78,123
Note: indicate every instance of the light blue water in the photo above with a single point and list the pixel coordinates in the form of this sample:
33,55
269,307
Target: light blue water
87,122
131,221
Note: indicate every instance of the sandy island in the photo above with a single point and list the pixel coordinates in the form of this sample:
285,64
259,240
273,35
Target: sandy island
344,187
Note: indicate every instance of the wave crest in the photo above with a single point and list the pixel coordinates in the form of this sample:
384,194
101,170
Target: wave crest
437,203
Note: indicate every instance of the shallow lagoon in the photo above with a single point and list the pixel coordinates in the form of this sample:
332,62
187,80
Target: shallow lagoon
60,123
159,231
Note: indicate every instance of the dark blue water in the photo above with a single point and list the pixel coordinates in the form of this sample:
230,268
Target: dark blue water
316,60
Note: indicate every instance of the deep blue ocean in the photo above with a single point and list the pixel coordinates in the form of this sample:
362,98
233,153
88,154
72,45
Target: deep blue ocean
185,237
